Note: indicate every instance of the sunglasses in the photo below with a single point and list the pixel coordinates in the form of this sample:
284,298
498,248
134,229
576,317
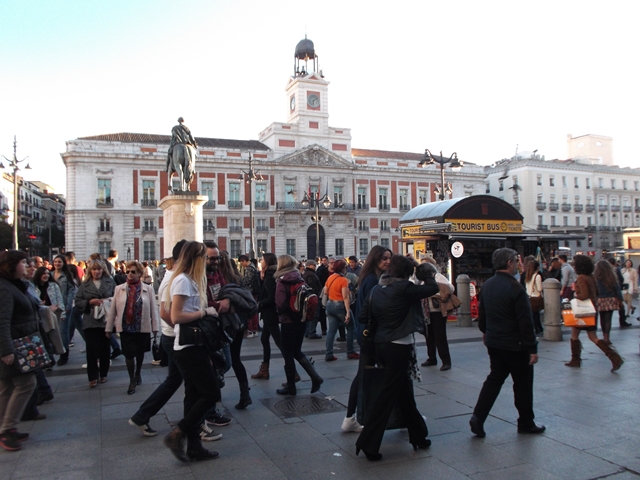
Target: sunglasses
213,259
132,272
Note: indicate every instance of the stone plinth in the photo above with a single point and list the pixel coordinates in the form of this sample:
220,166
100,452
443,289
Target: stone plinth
182,214
464,310
552,310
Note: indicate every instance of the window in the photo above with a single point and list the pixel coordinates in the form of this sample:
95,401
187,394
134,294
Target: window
148,190
291,247
236,248
149,226
613,183
339,247
589,221
234,192
364,247
261,192
487,188
384,242
149,250
624,184
600,183
553,220
384,225
234,224
404,198
564,182
261,225
103,248
501,186
552,198
578,221
338,195
552,181
423,196
289,193
207,190
383,202
104,191
362,197
539,180
362,225
261,245
565,221
576,182
105,225
636,185
587,182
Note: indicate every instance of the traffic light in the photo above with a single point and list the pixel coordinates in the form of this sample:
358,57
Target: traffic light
590,240
32,237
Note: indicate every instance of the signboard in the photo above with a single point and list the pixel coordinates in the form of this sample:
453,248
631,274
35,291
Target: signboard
485,226
457,249
419,246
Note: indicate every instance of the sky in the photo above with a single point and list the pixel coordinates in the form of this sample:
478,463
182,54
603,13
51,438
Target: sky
478,78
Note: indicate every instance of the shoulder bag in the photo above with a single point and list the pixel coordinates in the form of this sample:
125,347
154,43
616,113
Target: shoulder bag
30,354
582,308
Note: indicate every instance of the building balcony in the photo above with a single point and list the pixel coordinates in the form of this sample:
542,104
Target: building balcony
209,228
261,205
149,202
637,208
362,228
262,228
566,207
209,204
541,206
235,229
362,206
590,208
342,207
543,227
615,208
626,208
292,206
108,230
236,204
404,208
385,229
603,208
384,207
577,207
24,213
554,206
149,229
104,202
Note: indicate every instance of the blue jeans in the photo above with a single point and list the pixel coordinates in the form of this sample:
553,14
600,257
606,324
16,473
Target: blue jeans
165,390
76,322
336,312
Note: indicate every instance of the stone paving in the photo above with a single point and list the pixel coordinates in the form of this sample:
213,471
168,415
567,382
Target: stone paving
592,418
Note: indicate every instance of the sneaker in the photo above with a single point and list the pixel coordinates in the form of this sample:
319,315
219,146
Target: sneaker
350,424
156,362
218,420
353,356
332,358
146,430
9,441
84,350
207,434
314,336
200,453
341,339
71,344
84,365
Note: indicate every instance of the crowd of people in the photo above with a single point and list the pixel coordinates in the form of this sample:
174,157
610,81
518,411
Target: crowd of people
205,304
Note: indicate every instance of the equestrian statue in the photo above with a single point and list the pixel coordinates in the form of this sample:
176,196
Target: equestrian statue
181,157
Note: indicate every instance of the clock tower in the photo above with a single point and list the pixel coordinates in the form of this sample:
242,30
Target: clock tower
307,103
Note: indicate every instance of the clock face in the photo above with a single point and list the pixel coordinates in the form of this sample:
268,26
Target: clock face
313,100
292,103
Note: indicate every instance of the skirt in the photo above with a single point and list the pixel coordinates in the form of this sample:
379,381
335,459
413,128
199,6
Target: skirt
134,344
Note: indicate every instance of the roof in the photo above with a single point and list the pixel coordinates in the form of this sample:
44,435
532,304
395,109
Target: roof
429,210
473,207
363,152
166,139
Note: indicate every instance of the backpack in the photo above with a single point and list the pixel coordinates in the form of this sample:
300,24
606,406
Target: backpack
255,283
303,302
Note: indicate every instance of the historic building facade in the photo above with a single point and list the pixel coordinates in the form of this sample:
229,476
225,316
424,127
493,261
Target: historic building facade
114,183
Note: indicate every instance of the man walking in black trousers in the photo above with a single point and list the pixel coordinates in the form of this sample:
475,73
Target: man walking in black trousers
507,327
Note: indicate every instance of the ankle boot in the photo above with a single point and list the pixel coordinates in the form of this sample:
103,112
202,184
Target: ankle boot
174,441
316,380
296,380
576,348
616,359
263,373
245,398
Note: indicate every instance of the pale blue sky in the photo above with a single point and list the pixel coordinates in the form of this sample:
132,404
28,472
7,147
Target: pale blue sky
466,76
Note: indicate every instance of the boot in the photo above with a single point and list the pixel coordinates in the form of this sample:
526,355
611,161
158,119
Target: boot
296,378
174,441
245,398
576,348
316,380
263,373
64,359
616,359
288,388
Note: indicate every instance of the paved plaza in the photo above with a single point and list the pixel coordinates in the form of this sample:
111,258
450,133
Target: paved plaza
592,418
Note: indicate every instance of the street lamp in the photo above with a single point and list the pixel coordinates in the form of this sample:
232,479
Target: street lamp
13,163
315,198
456,165
249,177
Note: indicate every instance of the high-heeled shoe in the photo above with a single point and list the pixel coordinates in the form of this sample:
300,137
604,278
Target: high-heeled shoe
372,457
132,388
138,380
422,444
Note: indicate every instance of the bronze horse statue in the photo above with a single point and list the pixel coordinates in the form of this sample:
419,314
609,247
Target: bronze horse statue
182,162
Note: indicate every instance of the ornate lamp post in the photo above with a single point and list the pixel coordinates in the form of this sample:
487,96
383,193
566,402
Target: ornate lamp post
456,165
13,163
249,177
315,198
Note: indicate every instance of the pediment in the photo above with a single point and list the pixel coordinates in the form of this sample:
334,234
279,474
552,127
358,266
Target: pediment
315,156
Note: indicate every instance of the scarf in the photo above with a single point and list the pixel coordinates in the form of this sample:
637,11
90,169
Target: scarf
133,308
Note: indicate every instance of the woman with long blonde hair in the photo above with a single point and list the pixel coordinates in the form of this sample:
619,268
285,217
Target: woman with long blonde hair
187,296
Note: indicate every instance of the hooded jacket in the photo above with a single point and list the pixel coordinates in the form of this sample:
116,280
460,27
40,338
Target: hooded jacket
284,281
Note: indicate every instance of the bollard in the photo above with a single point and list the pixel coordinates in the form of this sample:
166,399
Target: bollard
464,310
552,310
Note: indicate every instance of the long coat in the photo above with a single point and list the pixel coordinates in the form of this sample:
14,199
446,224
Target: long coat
88,291
150,317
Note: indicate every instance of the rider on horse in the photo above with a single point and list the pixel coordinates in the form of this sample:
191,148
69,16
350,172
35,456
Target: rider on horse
180,134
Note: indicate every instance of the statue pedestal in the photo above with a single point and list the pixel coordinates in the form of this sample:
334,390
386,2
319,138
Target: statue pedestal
182,214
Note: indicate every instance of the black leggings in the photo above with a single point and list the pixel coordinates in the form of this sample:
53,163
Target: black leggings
236,363
270,330
605,322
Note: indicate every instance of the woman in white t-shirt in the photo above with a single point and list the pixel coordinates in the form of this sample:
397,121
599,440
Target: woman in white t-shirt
187,295
629,286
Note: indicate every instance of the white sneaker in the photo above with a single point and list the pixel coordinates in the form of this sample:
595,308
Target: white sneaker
156,362
350,424
84,365
208,435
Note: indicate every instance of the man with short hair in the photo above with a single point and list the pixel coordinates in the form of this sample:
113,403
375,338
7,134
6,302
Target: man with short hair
354,267
38,262
568,278
507,331
313,281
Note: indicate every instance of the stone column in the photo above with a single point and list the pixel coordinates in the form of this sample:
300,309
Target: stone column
552,310
464,310
182,214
